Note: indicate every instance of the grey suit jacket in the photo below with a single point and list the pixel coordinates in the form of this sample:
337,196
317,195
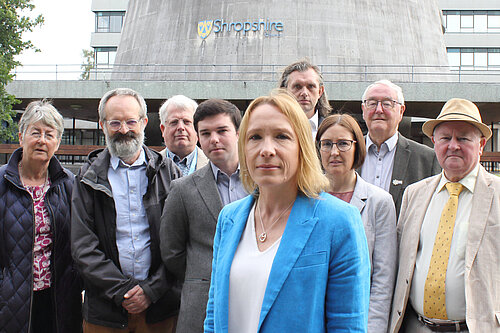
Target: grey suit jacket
379,220
201,161
482,259
187,231
413,161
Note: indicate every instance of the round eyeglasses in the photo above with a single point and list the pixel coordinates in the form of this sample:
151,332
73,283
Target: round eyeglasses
387,104
116,125
342,145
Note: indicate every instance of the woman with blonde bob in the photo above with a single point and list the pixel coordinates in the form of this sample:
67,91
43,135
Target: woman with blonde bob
288,258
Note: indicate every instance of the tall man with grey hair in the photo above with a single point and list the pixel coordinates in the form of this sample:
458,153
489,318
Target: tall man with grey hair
448,234
305,81
392,161
117,202
176,124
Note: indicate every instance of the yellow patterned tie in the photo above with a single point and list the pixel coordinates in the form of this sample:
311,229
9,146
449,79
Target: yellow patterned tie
434,290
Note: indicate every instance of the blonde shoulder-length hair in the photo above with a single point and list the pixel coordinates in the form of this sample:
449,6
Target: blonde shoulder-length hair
310,179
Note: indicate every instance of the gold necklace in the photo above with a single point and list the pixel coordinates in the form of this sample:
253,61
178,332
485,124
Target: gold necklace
263,235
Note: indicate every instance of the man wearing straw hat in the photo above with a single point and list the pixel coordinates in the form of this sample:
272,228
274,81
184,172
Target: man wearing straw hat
449,234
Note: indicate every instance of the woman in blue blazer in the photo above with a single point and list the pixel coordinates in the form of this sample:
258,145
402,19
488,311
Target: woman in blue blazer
288,258
342,150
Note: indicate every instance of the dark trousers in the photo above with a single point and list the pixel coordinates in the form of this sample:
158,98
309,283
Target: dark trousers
42,312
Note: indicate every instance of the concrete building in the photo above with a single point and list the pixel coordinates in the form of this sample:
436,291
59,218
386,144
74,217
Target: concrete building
109,19
472,38
344,35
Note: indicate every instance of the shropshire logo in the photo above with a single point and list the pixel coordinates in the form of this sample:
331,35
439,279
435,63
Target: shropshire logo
205,28
270,28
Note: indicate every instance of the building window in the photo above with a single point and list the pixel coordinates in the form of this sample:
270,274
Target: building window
105,55
109,21
472,21
474,58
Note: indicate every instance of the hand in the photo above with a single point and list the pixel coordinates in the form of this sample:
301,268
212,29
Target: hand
136,301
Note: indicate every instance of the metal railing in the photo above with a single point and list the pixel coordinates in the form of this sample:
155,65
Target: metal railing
269,72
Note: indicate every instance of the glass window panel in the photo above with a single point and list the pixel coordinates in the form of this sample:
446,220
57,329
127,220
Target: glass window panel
112,56
481,59
494,21
115,23
453,23
480,23
494,59
102,57
467,59
454,59
102,23
467,21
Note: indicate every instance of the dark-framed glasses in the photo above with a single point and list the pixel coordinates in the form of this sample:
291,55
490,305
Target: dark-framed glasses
387,104
342,145
116,125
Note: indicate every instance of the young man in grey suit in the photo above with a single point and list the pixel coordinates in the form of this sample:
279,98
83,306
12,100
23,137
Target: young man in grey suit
392,161
448,234
191,211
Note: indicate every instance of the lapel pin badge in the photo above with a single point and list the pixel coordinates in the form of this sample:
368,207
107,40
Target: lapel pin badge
396,182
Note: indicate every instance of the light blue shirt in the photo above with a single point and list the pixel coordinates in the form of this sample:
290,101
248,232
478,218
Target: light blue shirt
378,165
186,164
129,184
230,187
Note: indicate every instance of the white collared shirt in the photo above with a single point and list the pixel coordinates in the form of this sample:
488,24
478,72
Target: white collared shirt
378,165
455,281
313,121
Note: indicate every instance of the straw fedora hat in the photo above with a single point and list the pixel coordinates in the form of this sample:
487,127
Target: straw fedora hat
457,109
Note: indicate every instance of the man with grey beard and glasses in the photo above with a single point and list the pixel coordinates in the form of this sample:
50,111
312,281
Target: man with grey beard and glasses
117,202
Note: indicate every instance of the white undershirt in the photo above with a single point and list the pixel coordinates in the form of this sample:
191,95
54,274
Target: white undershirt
454,281
248,280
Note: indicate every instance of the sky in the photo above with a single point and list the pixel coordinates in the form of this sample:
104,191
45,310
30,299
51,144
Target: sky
65,32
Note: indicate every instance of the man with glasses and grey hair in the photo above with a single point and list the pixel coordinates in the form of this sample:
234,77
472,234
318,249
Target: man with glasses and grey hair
176,125
117,202
392,161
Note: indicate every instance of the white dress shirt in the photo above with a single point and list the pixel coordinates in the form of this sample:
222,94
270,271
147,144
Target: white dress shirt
378,165
455,282
313,121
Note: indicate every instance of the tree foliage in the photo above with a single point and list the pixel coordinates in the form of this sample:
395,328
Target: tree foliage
13,23
88,64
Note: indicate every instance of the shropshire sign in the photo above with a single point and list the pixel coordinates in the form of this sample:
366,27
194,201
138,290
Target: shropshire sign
269,27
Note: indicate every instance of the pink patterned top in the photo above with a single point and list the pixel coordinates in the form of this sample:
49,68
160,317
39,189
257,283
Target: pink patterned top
43,238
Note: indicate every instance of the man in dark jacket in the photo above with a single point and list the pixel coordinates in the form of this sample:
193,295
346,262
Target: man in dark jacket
117,202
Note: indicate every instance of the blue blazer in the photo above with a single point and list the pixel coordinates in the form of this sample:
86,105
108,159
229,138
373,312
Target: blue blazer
320,277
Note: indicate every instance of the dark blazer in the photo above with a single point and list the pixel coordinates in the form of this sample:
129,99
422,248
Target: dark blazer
413,161
320,276
186,239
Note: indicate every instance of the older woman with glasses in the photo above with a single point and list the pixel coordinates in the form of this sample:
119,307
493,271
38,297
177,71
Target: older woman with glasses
288,258
39,290
342,149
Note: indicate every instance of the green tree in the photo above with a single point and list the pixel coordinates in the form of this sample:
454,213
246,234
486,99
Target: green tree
88,64
13,23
